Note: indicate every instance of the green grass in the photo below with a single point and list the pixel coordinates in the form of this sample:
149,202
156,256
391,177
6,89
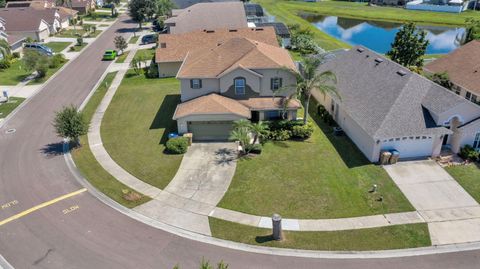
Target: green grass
133,39
469,177
323,177
146,53
391,237
79,48
79,32
13,75
136,125
121,59
51,72
99,16
88,165
7,108
58,46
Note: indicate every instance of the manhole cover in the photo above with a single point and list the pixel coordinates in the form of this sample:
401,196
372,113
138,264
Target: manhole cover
10,131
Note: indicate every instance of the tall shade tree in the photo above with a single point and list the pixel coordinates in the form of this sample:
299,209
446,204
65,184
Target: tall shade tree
309,81
142,10
164,7
409,46
70,123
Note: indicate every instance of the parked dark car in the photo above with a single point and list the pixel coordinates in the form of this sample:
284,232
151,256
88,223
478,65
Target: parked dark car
40,48
149,39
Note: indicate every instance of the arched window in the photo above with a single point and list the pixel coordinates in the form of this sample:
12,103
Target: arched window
239,86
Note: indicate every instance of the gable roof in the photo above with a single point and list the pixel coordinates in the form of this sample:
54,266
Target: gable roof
211,104
462,66
385,98
234,53
207,16
187,3
25,19
174,47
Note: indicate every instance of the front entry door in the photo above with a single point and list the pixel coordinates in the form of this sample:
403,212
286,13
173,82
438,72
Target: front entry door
445,140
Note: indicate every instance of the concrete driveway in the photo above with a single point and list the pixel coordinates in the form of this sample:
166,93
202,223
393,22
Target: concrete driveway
428,186
453,216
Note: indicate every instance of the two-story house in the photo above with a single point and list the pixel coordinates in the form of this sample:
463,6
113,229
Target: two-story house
385,106
238,79
463,69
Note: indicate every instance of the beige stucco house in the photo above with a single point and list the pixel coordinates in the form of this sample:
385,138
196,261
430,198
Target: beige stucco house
174,48
384,106
238,79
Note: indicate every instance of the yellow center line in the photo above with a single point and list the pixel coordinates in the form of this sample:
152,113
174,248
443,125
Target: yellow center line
40,206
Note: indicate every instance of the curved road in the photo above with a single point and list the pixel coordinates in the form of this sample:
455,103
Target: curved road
33,171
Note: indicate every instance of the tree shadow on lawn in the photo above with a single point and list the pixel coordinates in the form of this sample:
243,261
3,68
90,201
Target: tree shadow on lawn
348,151
163,118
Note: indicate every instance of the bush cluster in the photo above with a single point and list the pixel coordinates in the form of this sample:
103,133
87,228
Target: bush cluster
302,131
469,153
177,145
286,129
56,60
325,115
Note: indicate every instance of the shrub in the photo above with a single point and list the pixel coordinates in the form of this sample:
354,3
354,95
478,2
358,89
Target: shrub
16,55
177,145
469,153
302,131
255,149
79,41
279,135
152,70
283,124
5,64
56,60
325,115
42,69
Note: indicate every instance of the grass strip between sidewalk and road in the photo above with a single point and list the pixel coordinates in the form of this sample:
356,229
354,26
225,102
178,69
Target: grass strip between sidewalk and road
383,238
58,46
88,165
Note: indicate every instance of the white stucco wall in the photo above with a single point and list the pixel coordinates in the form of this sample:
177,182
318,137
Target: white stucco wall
252,80
209,85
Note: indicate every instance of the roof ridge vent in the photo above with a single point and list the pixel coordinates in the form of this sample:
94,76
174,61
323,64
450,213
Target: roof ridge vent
379,60
402,73
233,30
360,49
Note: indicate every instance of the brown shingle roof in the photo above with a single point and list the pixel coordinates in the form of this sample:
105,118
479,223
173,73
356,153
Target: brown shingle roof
235,53
269,103
208,16
23,19
211,104
462,66
176,46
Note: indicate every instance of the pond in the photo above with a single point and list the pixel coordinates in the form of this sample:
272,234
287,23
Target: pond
378,35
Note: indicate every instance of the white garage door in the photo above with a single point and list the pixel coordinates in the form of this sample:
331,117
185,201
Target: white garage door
210,130
411,148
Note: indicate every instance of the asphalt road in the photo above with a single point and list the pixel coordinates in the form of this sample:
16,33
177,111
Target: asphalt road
92,235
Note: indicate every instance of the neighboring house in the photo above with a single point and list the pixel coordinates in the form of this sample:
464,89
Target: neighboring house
186,3
463,69
207,16
83,6
389,2
25,22
15,42
3,34
384,106
452,6
234,80
281,30
174,48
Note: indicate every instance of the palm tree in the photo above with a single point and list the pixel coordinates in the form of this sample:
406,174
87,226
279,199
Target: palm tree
258,130
242,124
310,80
4,49
241,135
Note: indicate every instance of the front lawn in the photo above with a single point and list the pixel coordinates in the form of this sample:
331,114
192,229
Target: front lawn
13,75
77,47
57,46
133,39
98,16
121,59
88,165
136,124
7,108
469,177
323,177
147,54
77,33
391,237
50,72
